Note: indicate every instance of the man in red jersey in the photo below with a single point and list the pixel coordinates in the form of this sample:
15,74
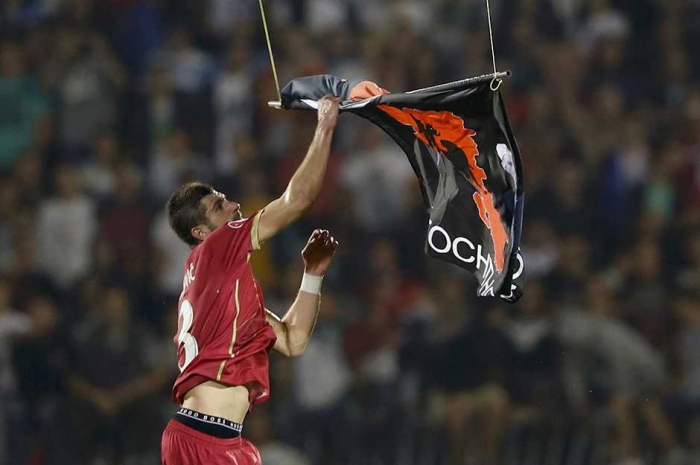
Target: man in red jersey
224,330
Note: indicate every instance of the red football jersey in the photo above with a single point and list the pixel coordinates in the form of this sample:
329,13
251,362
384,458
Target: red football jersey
222,332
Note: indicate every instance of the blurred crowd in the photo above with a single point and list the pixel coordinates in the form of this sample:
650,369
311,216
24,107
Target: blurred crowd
106,106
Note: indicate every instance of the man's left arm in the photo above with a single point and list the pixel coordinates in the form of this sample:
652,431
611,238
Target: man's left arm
294,329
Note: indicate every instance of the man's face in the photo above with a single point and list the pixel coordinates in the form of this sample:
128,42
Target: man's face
220,210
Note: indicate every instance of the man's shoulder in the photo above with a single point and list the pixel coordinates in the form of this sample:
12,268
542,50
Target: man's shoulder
233,231
226,229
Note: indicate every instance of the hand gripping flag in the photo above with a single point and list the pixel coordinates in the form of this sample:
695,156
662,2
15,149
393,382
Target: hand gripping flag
461,147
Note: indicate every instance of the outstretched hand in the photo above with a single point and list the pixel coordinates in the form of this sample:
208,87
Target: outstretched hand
319,251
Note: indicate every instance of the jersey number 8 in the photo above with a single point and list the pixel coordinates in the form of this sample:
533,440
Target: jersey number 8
184,337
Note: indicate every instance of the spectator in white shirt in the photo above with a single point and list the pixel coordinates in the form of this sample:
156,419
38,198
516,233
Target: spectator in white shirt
66,230
378,176
171,254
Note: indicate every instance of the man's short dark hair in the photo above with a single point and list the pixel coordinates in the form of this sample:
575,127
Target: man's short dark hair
186,210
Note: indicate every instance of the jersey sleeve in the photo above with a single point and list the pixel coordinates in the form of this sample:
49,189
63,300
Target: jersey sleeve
233,241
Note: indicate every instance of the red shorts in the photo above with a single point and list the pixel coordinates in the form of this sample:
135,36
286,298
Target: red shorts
182,445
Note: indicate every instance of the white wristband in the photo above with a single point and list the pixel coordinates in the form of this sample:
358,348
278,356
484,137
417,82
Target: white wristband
311,284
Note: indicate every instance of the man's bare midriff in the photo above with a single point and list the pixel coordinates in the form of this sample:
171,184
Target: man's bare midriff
211,398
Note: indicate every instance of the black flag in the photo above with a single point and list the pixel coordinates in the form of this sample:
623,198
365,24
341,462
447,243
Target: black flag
461,147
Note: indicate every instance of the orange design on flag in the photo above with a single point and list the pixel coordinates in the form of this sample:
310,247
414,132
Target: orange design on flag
366,89
434,128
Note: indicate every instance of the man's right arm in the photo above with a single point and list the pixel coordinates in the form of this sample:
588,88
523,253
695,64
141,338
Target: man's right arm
294,330
305,185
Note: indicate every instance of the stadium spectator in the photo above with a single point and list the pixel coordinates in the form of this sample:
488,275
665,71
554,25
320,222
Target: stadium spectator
66,227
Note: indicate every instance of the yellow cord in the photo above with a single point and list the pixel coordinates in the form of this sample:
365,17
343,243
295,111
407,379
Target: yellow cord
493,52
269,49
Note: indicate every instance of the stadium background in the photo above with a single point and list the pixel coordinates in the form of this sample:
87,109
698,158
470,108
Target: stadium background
107,106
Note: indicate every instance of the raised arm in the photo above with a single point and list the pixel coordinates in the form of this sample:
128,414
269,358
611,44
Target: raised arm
306,183
294,329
